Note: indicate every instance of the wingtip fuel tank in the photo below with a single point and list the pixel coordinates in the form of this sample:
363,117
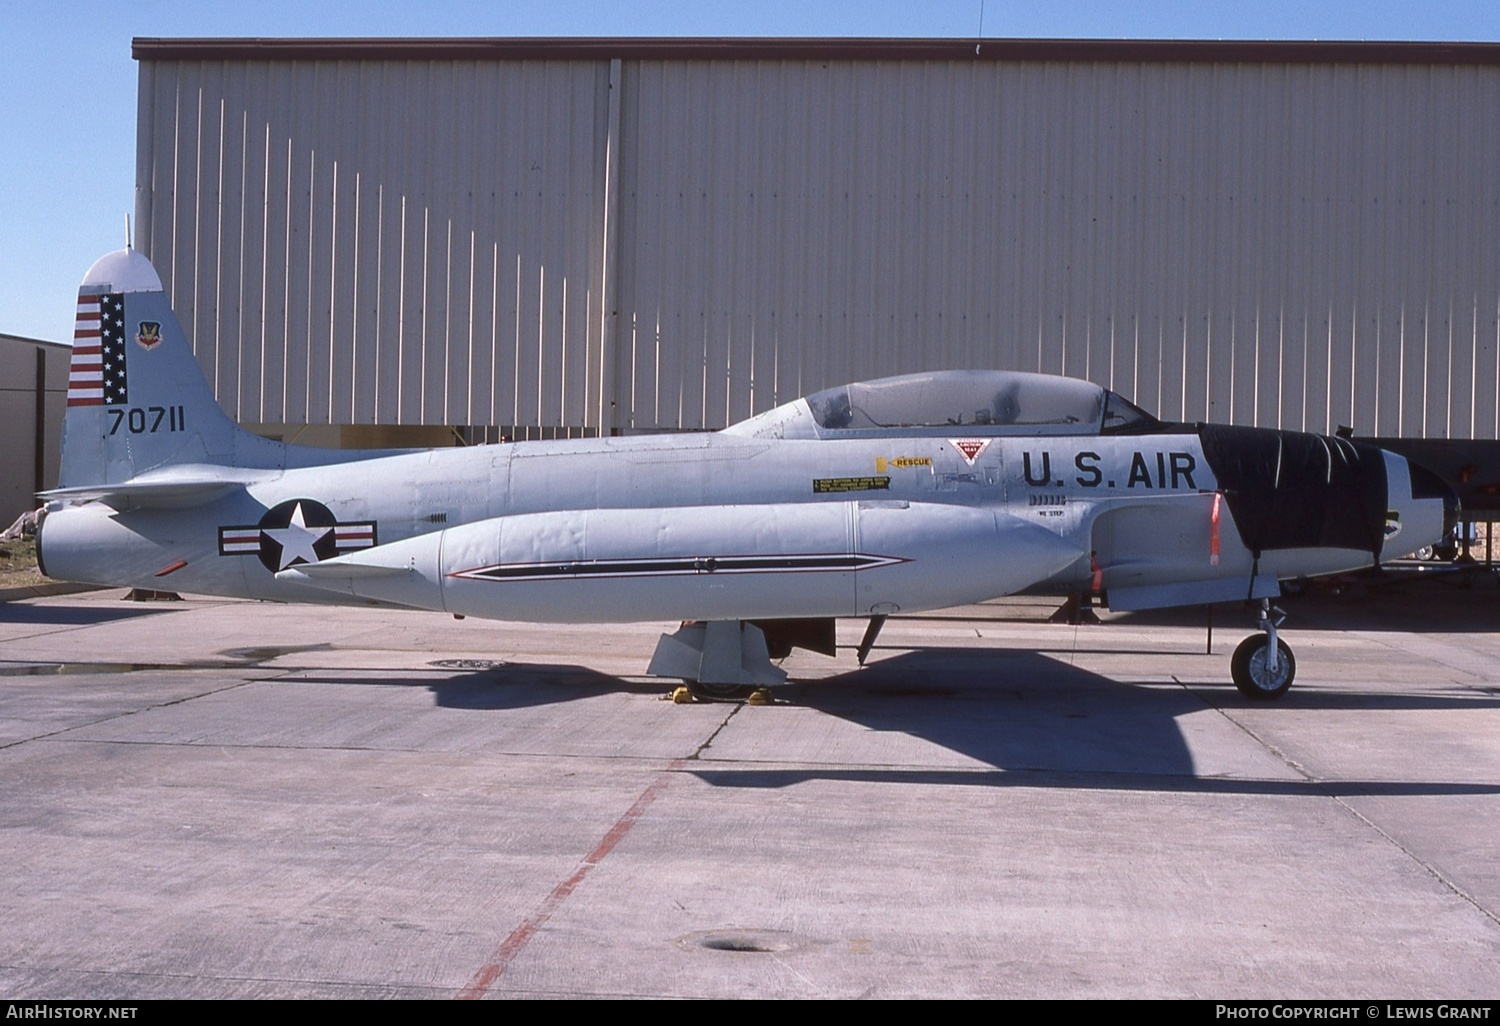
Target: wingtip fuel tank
776,560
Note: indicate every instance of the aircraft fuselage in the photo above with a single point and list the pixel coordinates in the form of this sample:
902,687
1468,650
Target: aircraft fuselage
1139,509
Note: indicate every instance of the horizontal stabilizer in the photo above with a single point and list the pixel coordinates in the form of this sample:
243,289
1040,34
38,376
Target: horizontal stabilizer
175,488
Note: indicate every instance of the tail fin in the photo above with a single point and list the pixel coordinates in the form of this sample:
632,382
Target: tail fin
137,399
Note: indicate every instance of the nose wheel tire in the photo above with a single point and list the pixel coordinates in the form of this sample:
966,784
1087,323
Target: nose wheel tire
705,692
1252,674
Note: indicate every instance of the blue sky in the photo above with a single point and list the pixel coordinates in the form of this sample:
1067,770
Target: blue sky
68,84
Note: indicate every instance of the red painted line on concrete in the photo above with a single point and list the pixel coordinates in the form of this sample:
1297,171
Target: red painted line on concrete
512,946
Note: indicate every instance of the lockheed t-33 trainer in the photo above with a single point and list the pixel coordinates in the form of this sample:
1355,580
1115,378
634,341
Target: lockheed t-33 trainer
903,494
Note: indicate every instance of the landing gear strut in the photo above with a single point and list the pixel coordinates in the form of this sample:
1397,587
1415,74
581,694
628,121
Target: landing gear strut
1263,666
719,661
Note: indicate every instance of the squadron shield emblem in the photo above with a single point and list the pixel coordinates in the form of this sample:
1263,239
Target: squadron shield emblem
149,334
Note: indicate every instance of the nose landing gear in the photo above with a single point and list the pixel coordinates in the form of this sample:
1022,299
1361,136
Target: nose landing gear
1263,666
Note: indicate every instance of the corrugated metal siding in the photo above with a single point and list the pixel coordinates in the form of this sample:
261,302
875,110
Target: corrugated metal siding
382,241
33,396
1302,244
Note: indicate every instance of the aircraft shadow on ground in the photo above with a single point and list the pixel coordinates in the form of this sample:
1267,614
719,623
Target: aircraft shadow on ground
1034,720
1038,779
526,685
1464,601
76,616
1013,709
1043,723
492,689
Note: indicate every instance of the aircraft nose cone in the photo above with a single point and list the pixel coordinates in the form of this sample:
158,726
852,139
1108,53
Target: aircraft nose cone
1291,490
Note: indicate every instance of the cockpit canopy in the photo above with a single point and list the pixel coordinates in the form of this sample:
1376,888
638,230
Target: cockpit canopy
944,402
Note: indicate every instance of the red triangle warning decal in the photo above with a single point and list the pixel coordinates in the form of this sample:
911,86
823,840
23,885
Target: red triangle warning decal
970,448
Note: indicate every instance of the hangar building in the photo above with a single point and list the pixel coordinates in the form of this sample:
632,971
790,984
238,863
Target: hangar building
423,239
33,390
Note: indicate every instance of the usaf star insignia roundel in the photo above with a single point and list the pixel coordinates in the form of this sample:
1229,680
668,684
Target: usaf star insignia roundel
295,532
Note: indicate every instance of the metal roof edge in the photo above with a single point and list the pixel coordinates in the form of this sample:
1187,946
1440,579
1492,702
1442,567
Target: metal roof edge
821,48
45,343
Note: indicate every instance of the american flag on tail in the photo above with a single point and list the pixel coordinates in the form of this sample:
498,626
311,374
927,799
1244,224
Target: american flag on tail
96,376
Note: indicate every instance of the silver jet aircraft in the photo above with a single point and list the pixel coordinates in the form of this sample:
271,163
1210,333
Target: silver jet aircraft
903,494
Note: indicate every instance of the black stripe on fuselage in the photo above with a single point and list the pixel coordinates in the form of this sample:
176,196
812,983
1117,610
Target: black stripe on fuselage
676,567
